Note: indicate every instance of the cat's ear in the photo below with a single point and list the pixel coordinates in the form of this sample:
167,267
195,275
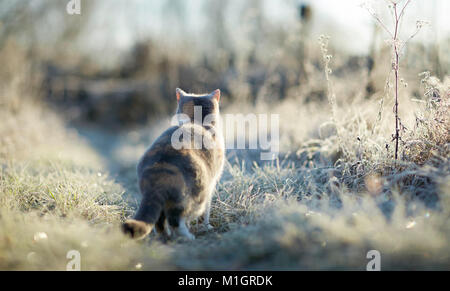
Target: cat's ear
180,94
216,95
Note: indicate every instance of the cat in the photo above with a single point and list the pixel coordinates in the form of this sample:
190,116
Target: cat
177,183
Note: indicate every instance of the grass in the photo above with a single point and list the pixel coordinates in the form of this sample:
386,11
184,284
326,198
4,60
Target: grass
334,194
309,210
56,197
54,193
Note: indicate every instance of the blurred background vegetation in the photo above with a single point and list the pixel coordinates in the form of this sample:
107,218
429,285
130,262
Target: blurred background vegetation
117,64
83,96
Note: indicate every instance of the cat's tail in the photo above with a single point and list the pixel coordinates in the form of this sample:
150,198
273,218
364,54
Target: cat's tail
146,217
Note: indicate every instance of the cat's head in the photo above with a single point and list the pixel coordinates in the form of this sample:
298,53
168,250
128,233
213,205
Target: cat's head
191,105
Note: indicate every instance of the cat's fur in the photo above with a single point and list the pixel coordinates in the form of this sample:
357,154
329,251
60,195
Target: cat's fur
177,184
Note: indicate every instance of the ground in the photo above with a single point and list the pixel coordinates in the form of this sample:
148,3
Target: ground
65,188
333,194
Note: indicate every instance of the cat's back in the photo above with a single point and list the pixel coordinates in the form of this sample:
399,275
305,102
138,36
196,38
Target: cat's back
188,159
